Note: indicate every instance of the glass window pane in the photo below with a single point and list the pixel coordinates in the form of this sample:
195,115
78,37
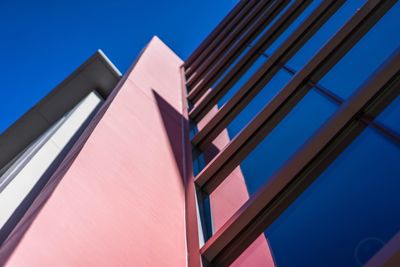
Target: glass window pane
352,209
297,127
265,96
230,67
283,76
293,26
273,22
246,76
325,33
284,140
261,58
348,215
256,64
366,56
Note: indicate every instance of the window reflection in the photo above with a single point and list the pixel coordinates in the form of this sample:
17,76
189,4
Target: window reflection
285,139
352,209
325,33
366,56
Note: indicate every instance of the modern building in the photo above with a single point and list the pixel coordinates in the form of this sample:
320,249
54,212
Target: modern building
276,143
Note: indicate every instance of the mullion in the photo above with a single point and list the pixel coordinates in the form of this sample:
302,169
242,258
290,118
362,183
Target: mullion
218,30
212,71
218,169
226,29
242,21
329,95
240,68
290,46
305,166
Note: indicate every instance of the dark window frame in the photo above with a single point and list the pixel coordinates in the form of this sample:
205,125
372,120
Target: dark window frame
352,117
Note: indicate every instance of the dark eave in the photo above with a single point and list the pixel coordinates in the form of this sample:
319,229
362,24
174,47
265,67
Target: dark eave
97,73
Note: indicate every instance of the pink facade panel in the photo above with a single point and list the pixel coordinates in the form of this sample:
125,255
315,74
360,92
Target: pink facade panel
122,202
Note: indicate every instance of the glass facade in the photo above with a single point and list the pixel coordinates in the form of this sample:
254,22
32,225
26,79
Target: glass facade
348,214
280,77
366,56
325,33
357,210
288,153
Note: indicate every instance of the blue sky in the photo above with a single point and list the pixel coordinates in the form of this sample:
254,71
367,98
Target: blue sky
44,41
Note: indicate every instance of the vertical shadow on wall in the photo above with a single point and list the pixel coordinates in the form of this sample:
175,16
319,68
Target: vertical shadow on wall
175,125
174,122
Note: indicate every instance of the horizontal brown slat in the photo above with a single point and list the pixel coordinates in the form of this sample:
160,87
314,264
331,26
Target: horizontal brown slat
255,84
236,21
211,71
266,11
218,30
216,171
308,27
387,132
240,68
304,167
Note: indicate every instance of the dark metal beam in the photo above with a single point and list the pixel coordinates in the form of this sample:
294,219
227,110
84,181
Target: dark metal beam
218,30
304,167
266,10
291,45
211,71
257,82
225,33
216,171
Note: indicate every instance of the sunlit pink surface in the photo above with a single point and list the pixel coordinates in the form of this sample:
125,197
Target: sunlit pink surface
122,201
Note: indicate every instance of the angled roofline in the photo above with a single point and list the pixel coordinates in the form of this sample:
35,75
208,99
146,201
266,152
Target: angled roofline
96,73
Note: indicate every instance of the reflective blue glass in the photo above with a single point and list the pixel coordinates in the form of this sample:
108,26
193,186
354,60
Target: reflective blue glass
246,76
262,98
282,77
366,56
231,66
293,26
284,140
296,128
325,33
255,65
269,25
348,214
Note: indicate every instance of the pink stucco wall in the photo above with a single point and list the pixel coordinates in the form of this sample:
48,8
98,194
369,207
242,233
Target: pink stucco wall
118,199
121,203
